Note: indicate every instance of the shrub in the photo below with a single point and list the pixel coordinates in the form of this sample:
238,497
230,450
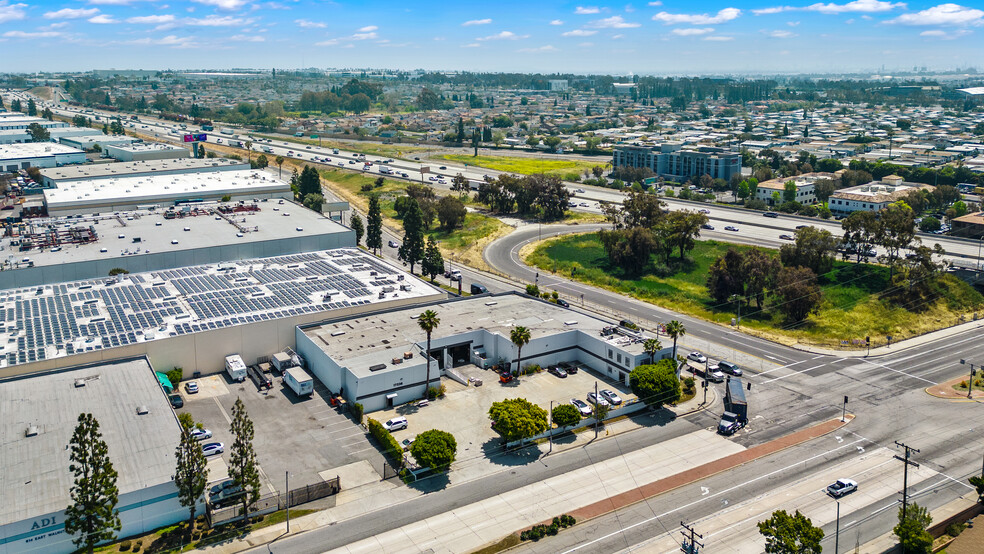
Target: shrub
434,392
537,532
955,529
175,376
366,187
385,440
125,545
963,384
357,411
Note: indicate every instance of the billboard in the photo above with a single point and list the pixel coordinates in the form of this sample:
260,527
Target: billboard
197,137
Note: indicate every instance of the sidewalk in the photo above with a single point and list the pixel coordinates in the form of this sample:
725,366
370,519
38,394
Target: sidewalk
946,390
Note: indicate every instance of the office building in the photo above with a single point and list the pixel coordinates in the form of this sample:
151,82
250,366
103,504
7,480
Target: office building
671,161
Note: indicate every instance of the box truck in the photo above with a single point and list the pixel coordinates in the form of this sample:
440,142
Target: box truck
299,381
235,367
735,414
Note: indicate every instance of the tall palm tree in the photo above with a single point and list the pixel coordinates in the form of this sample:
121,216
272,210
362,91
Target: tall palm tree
651,347
428,321
280,166
520,336
675,330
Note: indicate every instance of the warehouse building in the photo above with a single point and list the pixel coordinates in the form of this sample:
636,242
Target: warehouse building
193,317
90,140
378,359
146,151
40,414
52,177
16,120
872,197
38,154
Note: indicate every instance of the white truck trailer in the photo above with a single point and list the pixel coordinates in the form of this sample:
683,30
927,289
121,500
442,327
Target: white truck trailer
235,367
299,381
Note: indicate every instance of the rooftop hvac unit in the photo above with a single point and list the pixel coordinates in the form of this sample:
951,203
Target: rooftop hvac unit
79,383
142,410
31,431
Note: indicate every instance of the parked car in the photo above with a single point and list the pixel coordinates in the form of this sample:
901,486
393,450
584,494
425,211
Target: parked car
581,407
407,443
569,367
176,401
841,487
200,434
213,448
731,228
597,400
730,368
225,492
697,357
611,396
191,387
396,424
478,289
555,370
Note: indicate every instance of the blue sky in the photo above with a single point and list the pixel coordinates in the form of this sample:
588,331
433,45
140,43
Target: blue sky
672,36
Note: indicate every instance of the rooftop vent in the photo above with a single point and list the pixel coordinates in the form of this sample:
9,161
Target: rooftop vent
31,431
142,410
79,383
377,367
337,333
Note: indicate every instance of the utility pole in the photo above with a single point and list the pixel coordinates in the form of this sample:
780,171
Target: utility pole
597,402
837,531
690,546
287,494
970,383
844,413
905,473
551,428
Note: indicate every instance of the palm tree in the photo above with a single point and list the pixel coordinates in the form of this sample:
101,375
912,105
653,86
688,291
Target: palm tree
519,336
675,330
280,165
249,150
651,347
428,321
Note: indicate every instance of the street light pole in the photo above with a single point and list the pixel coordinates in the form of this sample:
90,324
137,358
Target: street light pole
837,533
970,383
551,428
287,494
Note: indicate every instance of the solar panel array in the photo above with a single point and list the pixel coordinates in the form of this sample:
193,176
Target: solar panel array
69,318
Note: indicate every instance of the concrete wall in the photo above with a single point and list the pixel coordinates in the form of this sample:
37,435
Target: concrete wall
47,274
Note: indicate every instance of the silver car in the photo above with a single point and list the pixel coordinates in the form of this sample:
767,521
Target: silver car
612,398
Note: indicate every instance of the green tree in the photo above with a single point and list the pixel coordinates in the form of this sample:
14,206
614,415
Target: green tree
823,189
280,166
790,534
911,530
48,114
428,321
459,184
242,458
313,201
629,249
651,347
38,133
929,224
978,482
15,106
262,161
898,226
960,208
434,449
358,227
789,191
656,384
92,516
374,227
191,472
565,415
520,336
517,418
675,330
433,262
798,293
32,108
814,248
249,149
862,230
309,182
683,229
412,249
743,190
451,212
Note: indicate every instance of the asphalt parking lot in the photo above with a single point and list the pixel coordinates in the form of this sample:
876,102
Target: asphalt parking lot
463,411
304,436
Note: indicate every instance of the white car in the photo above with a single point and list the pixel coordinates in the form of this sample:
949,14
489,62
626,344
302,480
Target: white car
597,400
213,448
611,396
841,487
581,406
200,434
697,357
396,424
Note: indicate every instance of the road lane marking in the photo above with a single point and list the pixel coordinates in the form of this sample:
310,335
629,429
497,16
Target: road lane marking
791,374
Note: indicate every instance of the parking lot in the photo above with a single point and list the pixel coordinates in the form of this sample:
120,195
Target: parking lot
303,436
463,412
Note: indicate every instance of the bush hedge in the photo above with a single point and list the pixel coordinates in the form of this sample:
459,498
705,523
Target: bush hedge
357,412
390,447
537,532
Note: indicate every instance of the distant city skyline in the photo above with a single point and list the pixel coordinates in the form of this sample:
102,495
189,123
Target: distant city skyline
672,36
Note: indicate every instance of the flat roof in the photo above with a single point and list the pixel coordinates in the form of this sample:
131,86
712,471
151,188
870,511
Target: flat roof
35,150
36,478
361,342
62,319
149,189
105,170
206,229
150,147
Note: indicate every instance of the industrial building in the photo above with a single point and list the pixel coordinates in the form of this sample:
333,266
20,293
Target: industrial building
670,161
146,151
40,413
90,140
872,197
52,177
87,196
38,154
805,188
17,120
378,359
192,317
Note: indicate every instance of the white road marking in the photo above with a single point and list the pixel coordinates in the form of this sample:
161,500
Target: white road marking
899,371
791,374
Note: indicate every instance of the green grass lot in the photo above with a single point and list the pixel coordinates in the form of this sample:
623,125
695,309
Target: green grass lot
851,307
525,166
401,151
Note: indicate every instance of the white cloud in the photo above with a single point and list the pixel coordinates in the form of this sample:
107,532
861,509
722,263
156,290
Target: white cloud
613,22
11,12
546,48
151,19
556,22
23,34
629,8
946,35
585,44
364,36
692,32
793,23
586,11
719,39
69,13
329,42
504,35
726,14
579,33
476,22
115,2
655,4
102,19
944,14
53,26
247,38
857,6
305,24
471,45
777,9
618,36
368,29
217,21
224,4
780,34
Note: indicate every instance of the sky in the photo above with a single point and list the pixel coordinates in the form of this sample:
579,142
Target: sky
667,37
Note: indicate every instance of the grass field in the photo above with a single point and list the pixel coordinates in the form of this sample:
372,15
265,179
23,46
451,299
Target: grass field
851,307
524,166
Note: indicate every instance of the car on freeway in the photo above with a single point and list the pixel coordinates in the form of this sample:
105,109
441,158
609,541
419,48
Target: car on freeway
597,400
771,214
352,162
393,244
213,448
572,204
554,370
176,401
731,228
841,487
396,424
583,204
200,434
787,237
191,387
704,211
443,167
696,356
802,226
707,226
579,191
416,158
581,407
611,396
730,368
